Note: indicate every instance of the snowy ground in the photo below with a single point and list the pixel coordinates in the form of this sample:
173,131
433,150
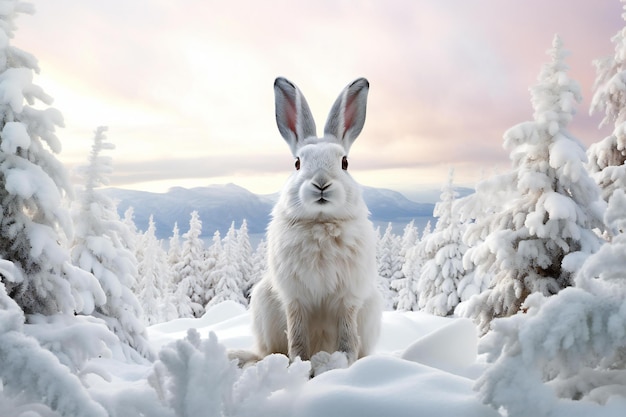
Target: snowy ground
423,365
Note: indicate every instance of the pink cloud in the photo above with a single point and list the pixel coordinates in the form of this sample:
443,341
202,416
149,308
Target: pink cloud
447,78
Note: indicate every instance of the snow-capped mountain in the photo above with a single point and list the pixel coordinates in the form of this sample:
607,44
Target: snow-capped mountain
219,205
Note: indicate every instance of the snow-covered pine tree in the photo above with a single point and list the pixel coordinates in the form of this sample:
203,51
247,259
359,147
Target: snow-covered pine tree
40,290
607,158
134,234
389,265
212,256
402,285
427,230
476,211
543,228
99,248
244,253
31,376
173,251
34,223
443,263
259,267
568,346
227,277
154,278
408,296
410,236
191,288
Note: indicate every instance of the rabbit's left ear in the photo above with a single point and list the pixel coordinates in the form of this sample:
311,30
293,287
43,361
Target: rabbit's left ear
293,116
347,116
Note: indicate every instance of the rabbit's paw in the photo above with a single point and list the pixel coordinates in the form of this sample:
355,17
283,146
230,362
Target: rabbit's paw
324,361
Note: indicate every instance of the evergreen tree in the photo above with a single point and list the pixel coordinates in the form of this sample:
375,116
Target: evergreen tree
191,292
548,205
408,295
47,386
212,256
244,254
153,289
227,277
427,230
259,267
475,211
173,252
35,225
403,285
43,297
607,157
134,237
410,236
444,250
571,345
389,265
99,248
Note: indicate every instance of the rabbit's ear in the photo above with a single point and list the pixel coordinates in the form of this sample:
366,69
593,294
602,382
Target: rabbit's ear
347,115
293,116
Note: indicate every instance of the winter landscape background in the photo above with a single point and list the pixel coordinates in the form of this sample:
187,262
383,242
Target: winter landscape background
506,300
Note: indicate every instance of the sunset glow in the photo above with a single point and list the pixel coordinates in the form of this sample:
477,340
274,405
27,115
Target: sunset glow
186,91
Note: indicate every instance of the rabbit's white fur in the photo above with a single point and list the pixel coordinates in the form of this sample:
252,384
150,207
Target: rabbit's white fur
319,293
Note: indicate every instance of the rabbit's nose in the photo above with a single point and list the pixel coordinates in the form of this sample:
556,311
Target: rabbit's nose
321,186
321,181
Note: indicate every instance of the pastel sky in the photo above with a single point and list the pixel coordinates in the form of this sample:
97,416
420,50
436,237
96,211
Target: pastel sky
186,87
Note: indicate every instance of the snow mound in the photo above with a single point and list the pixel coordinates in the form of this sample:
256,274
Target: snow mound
452,348
216,314
400,330
229,319
382,385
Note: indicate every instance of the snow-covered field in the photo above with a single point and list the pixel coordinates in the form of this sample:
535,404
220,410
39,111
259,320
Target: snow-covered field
423,366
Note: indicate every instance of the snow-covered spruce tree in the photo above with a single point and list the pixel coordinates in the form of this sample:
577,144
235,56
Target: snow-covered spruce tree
568,346
35,224
408,295
543,228
404,285
398,281
99,248
31,377
259,267
134,237
244,253
443,263
211,256
389,265
607,157
190,270
173,251
410,237
227,278
154,277
476,211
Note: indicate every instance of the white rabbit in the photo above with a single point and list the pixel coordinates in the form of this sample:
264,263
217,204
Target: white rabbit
319,294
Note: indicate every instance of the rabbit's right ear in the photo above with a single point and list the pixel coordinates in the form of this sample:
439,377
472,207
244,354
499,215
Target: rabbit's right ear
293,116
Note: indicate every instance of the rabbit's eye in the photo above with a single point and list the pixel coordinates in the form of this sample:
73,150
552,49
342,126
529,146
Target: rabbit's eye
344,163
297,163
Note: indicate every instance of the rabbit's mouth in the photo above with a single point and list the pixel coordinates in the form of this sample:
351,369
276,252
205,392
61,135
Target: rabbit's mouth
322,201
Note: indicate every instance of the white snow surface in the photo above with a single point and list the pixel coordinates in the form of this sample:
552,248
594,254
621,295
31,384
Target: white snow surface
423,365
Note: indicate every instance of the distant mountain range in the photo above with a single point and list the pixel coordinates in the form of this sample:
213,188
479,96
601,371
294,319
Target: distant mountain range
219,205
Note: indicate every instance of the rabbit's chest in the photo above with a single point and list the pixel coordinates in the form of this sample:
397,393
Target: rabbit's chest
318,261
